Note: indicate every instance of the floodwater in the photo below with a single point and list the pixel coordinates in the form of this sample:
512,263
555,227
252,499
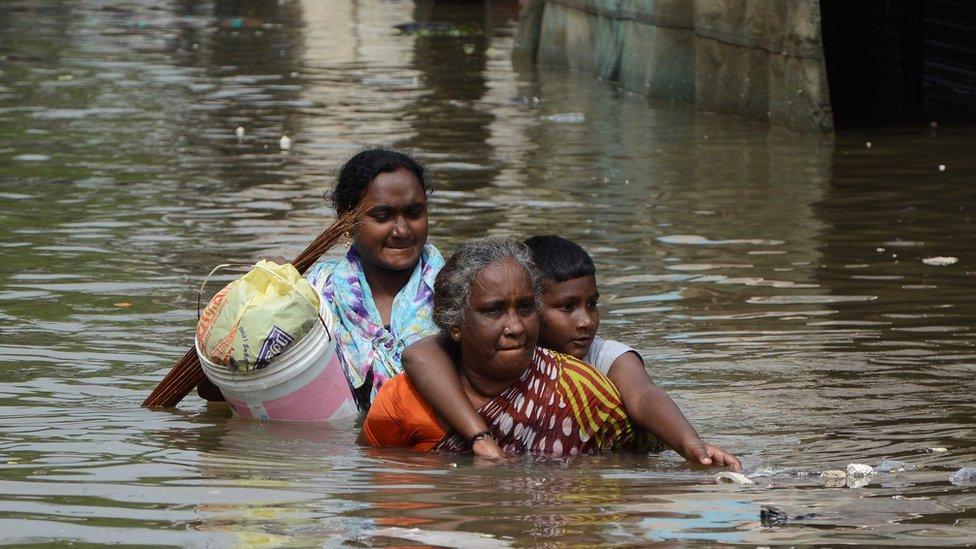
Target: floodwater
774,282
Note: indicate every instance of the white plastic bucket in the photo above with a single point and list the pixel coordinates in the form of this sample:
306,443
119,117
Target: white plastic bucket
304,383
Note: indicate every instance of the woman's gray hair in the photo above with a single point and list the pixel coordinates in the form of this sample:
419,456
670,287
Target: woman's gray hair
453,285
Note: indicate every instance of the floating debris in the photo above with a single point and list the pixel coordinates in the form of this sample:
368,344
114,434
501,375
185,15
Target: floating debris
942,167
855,476
859,470
940,261
964,477
894,466
567,117
439,538
32,157
284,142
436,28
938,450
728,477
770,516
867,144
239,131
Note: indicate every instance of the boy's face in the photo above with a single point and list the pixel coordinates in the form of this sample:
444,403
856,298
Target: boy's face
569,316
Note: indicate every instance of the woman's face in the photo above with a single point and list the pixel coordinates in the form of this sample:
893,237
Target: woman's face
501,322
392,234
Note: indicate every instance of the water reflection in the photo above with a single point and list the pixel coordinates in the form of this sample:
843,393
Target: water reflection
449,124
755,270
880,230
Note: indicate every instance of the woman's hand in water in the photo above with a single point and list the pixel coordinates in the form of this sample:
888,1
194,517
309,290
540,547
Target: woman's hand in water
711,456
487,447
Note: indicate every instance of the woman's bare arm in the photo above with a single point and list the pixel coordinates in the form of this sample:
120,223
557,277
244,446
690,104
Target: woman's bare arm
431,370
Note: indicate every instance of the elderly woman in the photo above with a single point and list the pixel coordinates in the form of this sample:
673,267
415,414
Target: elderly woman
533,400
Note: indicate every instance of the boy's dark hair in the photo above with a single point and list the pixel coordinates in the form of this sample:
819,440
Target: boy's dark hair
560,259
357,173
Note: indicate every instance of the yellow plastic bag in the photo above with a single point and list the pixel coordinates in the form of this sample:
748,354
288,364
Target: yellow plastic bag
258,316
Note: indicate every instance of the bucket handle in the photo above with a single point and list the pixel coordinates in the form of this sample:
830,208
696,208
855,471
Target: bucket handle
254,266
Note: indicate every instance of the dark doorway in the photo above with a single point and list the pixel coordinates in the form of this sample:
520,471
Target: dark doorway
891,61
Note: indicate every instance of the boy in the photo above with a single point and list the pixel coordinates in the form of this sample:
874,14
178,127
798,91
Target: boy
569,319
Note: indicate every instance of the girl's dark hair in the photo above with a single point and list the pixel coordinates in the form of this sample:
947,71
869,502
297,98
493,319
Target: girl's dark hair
363,168
560,259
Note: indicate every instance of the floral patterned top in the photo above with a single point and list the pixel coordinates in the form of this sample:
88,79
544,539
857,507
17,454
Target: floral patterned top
368,350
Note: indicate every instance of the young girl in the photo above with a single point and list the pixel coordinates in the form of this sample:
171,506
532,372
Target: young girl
569,319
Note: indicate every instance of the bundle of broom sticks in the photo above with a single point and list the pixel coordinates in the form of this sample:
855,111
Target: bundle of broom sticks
187,373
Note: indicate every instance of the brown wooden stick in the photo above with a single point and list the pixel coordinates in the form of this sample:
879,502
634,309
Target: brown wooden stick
188,372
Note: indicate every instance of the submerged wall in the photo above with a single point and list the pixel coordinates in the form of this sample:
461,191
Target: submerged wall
758,58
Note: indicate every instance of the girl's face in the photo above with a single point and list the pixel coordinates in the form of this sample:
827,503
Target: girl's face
569,317
392,234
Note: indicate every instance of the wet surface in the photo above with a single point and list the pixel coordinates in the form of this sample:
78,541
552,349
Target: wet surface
774,282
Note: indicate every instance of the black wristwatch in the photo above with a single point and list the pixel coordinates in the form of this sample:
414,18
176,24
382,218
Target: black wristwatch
479,436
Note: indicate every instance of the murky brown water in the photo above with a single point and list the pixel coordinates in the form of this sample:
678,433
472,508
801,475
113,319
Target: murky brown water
775,282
